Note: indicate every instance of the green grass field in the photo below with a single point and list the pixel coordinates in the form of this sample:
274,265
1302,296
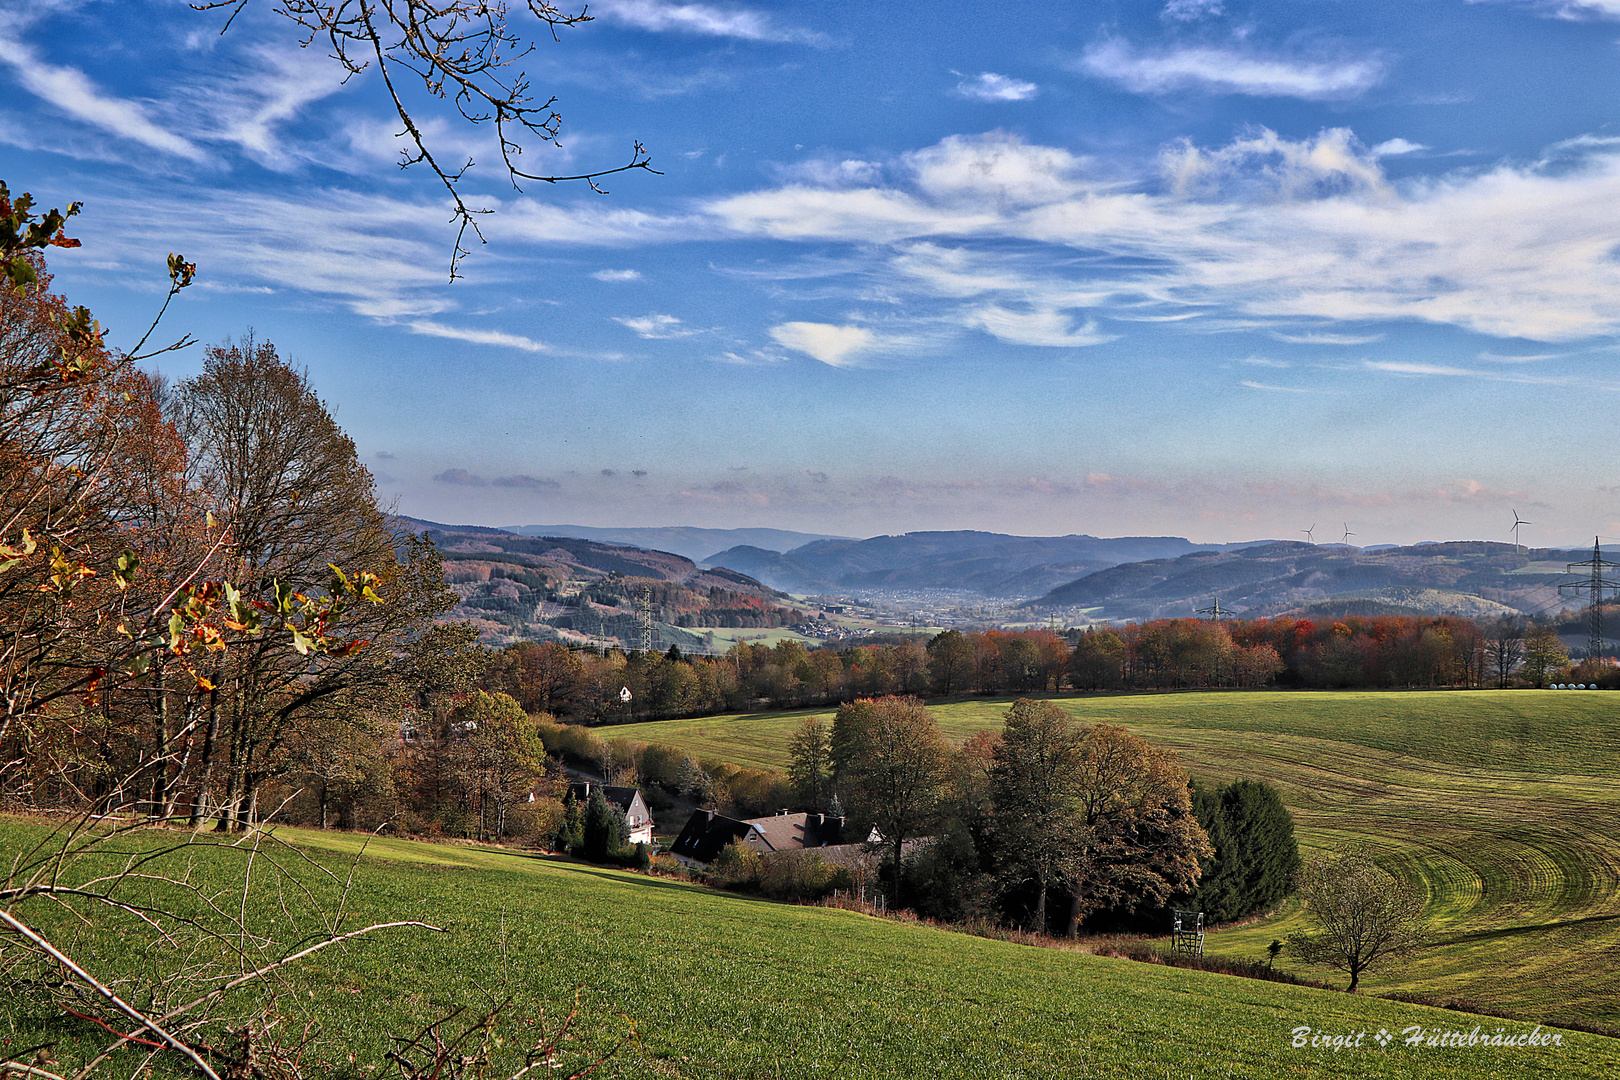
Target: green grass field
1502,802
724,986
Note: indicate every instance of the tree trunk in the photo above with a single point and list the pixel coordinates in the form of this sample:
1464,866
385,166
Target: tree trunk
205,769
160,766
233,772
1038,920
1074,916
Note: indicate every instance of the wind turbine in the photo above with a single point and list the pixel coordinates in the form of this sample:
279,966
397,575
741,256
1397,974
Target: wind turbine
1517,521
1310,534
1347,535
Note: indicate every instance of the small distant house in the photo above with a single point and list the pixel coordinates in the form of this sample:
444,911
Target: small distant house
707,833
627,799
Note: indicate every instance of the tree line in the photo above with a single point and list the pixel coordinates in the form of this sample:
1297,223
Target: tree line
586,686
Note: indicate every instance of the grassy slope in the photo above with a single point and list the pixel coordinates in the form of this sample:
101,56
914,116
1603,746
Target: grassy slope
1502,801
722,986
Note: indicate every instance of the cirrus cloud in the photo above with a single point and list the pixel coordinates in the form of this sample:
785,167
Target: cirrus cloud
1229,71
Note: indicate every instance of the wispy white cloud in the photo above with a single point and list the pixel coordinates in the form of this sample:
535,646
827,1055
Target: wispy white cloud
1229,71
836,346
657,327
1331,160
1499,358
1251,385
989,87
1396,367
614,277
993,233
1397,146
499,338
708,20
1567,9
1190,10
1318,337
76,94
1046,327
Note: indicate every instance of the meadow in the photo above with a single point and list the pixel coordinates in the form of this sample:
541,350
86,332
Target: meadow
1502,803
719,985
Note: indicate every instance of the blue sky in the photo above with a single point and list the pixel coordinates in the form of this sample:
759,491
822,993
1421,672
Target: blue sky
1206,268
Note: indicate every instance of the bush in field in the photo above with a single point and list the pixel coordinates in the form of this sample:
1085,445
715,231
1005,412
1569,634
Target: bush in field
800,875
737,867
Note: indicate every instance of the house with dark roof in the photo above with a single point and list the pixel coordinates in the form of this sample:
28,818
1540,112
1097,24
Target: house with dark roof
707,833
627,799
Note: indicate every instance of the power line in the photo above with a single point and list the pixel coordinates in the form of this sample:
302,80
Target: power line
644,619
1594,584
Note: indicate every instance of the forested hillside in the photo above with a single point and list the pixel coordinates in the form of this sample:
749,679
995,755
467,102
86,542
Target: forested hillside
550,588
1470,578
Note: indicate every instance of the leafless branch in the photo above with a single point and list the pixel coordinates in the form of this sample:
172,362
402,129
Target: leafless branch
463,51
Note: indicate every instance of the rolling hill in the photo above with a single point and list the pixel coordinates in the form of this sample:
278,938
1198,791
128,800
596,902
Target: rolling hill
1471,578
546,588
982,563
1500,802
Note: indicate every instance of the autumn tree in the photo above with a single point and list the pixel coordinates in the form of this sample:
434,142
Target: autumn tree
890,767
1544,655
1504,648
1140,841
496,756
950,661
287,486
809,768
1365,917
1098,661
1040,834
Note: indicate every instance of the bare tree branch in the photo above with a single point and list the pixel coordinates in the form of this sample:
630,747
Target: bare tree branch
463,51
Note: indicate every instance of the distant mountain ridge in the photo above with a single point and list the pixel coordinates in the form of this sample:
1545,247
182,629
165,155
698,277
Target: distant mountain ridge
694,543
1472,578
990,564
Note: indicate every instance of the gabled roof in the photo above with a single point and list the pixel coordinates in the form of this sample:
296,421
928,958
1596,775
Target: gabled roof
627,799
780,832
708,832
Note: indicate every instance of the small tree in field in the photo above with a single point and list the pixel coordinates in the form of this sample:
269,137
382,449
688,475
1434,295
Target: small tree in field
1367,917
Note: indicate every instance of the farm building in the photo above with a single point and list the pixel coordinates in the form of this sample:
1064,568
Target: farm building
627,799
707,833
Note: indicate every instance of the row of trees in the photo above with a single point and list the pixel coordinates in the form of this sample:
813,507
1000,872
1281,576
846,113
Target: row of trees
1385,651
1354,651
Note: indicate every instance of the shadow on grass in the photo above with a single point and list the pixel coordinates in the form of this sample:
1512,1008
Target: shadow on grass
1519,931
